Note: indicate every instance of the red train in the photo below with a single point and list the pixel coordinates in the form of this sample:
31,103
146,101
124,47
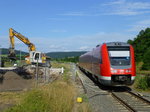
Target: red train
111,63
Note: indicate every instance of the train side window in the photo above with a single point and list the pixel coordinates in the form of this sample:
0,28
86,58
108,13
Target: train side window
100,60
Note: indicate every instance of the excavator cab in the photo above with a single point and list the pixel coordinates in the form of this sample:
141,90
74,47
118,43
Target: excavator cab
35,57
40,58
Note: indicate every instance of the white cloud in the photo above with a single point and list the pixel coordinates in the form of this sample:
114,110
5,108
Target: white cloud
71,43
117,2
84,48
145,22
117,7
126,7
140,25
78,42
55,47
4,43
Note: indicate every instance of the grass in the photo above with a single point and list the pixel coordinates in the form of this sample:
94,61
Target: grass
10,64
81,107
49,98
142,82
10,97
58,96
84,107
84,97
139,67
67,68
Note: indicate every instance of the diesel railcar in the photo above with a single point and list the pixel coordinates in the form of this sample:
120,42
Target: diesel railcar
112,63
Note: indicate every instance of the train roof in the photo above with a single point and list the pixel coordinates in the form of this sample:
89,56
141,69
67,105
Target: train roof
114,44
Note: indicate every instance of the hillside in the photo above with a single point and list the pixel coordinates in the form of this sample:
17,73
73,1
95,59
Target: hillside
65,54
4,51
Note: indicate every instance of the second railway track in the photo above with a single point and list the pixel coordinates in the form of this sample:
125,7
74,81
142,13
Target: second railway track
132,101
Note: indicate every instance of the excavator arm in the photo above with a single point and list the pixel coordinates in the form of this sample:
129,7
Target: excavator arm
13,33
33,57
25,40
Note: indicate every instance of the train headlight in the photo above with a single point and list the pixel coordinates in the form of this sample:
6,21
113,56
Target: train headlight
113,71
128,71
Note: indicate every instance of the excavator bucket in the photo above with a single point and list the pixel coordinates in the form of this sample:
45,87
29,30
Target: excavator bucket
12,55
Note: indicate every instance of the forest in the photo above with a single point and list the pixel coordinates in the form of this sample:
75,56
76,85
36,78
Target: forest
141,44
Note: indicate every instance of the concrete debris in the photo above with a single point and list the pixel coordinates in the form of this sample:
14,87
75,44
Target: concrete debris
57,70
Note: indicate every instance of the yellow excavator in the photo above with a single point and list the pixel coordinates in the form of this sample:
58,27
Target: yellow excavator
33,57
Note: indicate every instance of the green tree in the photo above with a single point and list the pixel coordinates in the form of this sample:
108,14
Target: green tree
146,60
141,44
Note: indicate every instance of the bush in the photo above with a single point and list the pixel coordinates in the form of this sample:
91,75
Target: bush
143,83
146,60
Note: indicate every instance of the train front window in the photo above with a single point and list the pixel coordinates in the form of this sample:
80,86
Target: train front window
119,56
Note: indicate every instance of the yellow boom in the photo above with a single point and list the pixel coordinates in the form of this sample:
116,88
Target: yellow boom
13,33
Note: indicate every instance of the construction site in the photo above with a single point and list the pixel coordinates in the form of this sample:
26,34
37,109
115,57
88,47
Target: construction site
34,63
34,69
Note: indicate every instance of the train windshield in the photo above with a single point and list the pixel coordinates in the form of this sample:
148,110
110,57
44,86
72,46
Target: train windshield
119,56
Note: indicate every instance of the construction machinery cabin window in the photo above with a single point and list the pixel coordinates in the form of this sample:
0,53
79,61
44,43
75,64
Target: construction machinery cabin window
37,55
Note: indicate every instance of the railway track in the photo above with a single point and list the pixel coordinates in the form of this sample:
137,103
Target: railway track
124,100
132,101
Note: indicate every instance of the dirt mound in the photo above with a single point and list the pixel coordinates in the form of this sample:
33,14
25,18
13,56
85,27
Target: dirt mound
13,81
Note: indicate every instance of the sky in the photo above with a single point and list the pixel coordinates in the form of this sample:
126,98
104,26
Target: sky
72,25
